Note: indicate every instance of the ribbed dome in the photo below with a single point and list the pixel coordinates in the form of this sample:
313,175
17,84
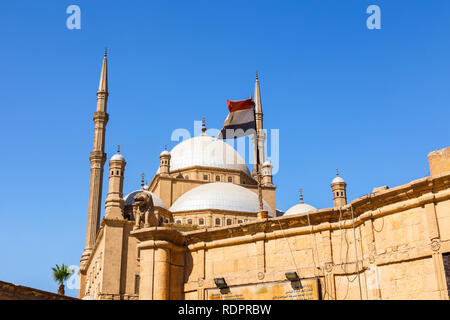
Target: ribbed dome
299,209
219,196
157,202
206,151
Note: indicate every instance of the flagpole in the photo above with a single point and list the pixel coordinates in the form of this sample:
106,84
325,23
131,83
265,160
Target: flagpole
258,166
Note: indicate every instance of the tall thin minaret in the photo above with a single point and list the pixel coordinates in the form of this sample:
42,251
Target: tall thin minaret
97,158
259,123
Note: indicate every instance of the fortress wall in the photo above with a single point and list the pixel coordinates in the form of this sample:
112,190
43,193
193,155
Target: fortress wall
398,254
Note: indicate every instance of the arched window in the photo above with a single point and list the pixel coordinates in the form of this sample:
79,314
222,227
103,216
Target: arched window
178,221
228,222
189,221
201,222
217,222
240,221
230,179
205,177
337,194
218,178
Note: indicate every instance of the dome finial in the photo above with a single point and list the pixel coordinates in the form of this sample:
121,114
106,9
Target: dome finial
256,75
301,195
203,125
118,148
106,51
142,180
337,172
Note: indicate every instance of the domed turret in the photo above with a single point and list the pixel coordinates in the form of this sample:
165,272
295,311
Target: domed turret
266,172
114,201
164,165
339,189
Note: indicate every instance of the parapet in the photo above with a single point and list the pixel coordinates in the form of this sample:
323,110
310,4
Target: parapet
439,161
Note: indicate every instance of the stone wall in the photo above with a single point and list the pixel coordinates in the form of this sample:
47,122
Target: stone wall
10,291
396,244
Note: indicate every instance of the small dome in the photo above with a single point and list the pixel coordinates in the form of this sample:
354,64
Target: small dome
337,180
267,164
118,157
157,202
300,208
206,151
165,153
220,196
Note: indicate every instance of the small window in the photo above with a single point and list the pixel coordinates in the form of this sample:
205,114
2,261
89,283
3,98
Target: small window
217,222
342,193
230,179
240,221
228,222
201,222
205,177
136,284
337,194
446,260
117,172
189,221
178,221
112,172
166,221
218,178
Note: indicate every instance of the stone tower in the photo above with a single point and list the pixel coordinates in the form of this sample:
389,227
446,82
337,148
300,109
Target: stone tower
114,202
97,158
339,189
164,166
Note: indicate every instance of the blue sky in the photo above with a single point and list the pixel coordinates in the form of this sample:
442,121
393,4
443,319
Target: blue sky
372,102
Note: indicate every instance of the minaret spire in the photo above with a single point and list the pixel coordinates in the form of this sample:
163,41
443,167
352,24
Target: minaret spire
259,122
203,126
103,84
301,195
97,158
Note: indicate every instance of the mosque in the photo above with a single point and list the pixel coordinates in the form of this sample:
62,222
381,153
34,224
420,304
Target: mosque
197,231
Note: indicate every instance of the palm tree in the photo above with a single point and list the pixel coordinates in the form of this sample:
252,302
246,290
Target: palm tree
61,274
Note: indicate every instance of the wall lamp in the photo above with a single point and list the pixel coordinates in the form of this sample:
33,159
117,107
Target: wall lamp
292,276
220,283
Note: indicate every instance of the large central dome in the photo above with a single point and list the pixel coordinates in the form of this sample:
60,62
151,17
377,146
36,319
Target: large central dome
206,151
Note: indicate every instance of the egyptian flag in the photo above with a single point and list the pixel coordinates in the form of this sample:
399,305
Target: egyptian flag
240,121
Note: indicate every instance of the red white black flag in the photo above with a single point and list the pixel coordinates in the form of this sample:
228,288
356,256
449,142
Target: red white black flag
240,121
